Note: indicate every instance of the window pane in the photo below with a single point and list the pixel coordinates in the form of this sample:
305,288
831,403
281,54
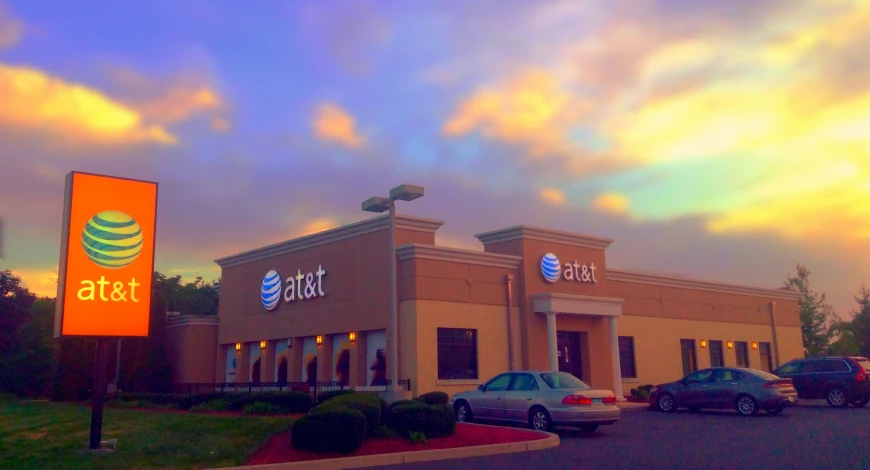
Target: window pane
626,357
457,353
716,353
742,352
523,382
689,361
499,384
563,380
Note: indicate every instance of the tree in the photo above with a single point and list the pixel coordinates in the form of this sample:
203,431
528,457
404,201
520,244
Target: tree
16,303
816,314
860,325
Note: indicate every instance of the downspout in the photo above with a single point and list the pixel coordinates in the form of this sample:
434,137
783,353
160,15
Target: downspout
773,331
509,279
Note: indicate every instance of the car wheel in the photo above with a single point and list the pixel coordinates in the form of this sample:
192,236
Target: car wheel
667,403
588,427
775,411
746,405
837,398
539,420
463,412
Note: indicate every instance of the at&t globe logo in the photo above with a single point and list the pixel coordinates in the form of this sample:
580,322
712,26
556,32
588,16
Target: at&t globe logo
112,239
550,267
270,292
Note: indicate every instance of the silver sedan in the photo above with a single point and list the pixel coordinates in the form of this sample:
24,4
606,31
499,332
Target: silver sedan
540,398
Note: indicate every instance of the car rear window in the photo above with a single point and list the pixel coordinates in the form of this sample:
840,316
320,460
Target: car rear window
563,380
761,374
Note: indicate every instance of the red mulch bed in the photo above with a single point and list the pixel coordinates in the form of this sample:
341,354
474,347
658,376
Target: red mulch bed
279,449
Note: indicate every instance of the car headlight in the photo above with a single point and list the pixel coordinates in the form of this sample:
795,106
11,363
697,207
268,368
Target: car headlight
653,390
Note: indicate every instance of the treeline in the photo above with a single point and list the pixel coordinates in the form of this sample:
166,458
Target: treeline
37,365
825,332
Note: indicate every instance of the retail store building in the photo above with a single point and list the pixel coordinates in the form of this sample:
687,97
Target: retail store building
316,308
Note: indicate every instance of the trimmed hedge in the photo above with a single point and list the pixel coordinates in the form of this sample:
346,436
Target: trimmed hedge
434,398
370,405
404,402
285,402
323,396
431,420
329,430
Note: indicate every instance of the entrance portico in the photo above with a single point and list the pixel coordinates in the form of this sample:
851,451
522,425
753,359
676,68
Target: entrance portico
553,304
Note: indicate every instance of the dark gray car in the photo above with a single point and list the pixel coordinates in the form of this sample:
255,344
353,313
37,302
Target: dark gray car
746,390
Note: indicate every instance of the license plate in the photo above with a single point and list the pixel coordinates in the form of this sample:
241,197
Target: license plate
596,401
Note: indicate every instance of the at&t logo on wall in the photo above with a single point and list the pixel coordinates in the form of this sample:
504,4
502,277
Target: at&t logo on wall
552,270
270,292
302,286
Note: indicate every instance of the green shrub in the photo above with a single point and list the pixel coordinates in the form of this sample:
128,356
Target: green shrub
261,408
287,402
369,405
386,432
404,403
642,392
186,402
323,396
331,430
213,405
434,398
417,437
431,420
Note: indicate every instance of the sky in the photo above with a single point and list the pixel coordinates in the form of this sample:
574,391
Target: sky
725,140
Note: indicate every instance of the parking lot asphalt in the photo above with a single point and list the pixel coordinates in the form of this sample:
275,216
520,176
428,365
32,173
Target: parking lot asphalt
803,437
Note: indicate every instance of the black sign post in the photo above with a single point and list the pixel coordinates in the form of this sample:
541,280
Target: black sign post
98,393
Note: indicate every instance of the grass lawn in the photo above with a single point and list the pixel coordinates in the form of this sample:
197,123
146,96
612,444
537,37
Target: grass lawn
42,435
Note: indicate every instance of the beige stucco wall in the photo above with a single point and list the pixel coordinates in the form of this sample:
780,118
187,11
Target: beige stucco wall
658,356
420,320
190,345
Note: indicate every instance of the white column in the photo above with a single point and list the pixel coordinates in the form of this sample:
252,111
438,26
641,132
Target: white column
551,340
617,370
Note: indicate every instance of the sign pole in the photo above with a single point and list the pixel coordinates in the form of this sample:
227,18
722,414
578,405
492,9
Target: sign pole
98,393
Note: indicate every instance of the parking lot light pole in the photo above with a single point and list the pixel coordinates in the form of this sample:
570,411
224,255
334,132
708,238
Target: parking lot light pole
405,192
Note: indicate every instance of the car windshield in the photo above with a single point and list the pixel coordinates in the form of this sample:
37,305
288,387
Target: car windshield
563,380
760,373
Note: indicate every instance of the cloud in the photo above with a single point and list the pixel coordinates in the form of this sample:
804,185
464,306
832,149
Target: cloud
11,29
333,124
169,100
532,109
347,33
41,282
320,224
552,196
219,124
35,100
611,203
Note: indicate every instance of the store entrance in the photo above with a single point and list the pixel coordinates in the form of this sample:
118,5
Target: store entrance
568,351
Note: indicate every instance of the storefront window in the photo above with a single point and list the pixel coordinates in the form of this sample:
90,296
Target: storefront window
742,352
716,357
457,354
626,357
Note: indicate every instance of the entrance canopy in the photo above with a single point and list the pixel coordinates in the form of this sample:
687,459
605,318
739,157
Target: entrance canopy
567,304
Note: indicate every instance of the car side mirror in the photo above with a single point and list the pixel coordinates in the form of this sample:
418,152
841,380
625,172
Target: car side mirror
480,387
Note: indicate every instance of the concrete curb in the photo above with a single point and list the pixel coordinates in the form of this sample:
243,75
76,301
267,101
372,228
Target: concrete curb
398,458
631,406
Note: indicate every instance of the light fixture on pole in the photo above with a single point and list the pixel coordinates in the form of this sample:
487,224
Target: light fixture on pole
405,192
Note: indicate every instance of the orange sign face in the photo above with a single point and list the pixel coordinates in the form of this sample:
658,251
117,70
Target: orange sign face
106,256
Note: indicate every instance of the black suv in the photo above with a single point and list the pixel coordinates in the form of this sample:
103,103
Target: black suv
840,380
